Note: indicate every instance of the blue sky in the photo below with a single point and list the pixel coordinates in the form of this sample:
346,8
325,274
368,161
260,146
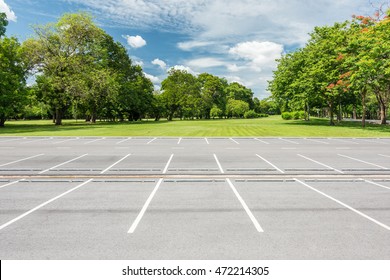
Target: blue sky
238,40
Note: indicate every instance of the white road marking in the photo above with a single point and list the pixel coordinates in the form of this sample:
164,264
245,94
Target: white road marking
371,141
246,208
317,141
123,141
154,139
384,155
43,205
207,141
327,166
262,141
359,160
219,164
274,166
167,165
67,140
345,205
289,141
234,141
44,171
345,141
11,183
111,166
376,184
145,207
178,143
9,163
37,140
93,141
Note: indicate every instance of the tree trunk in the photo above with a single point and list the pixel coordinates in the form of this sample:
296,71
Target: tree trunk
383,113
331,120
354,116
58,117
2,121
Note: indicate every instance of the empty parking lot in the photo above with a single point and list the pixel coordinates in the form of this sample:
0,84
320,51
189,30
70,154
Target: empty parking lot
194,198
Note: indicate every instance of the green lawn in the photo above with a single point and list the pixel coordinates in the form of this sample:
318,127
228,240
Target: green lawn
265,127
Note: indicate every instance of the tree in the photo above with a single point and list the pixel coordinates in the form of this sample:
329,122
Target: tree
176,89
3,23
236,108
12,79
237,91
212,93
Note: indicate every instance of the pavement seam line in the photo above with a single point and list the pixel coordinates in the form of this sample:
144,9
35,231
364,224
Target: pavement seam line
245,206
344,204
43,205
145,207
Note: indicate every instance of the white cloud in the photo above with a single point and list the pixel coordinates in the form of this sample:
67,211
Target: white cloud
160,63
259,54
184,68
135,41
4,8
190,45
139,63
205,62
154,79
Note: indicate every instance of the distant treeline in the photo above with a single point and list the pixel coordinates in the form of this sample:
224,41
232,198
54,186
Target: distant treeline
81,72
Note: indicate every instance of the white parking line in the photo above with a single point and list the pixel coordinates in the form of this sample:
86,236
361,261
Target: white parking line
178,143
289,141
37,140
67,140
345,141
317,141
327,166
274,166
376,184
371,141
207,141
145,207
384,155
123,141
359,160
11,183
234,141
246,208
43,204
9,163
44,171
345,205
111,166
93,141
154,139
262,141
167,165
219,164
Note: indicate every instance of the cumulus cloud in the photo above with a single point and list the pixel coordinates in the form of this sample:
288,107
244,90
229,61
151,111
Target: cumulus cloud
190,45
135,41
160,63
259,54
4,8
184,68
152,78
205,62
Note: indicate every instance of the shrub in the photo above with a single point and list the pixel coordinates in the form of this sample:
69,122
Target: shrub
287,116
295,115
251,114
302,115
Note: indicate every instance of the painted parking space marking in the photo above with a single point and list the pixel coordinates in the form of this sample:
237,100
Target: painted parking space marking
264,142
11,183
151,141
345,205
145,207
207,141
245,206
384,155
317,141
61,164
180,139
111,166
289,141
10,140
167,165
219,164
123,141
23,159
327,166
359,160
344,141
43,205
376,184
93,141
37,140
274,166
234,141
64,141
371,141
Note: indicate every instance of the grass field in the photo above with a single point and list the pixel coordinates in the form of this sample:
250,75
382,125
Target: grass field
265,127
